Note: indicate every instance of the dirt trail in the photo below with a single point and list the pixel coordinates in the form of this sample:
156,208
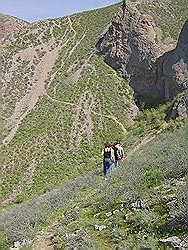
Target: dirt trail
64,44
118,122
75,46
111,116
43,243
145,141
58,101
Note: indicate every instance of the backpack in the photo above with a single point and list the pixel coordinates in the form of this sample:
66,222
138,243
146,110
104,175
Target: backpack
107,153
117,153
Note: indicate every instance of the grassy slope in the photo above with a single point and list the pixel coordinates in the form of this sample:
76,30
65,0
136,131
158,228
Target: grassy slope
45,135
141,177
80,206
169,15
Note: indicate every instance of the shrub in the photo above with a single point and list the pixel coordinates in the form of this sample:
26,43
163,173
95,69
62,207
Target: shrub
152,177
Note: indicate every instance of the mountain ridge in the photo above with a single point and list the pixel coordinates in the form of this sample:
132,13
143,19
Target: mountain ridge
11,24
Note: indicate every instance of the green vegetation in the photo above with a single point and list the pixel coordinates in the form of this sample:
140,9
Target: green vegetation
141,206
3,240
169,15
52,168
47,134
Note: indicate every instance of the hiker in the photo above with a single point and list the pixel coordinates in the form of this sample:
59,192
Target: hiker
108,159
118,153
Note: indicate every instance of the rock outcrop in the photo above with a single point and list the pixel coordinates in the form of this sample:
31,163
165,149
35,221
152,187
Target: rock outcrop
134,47
174,242
179,107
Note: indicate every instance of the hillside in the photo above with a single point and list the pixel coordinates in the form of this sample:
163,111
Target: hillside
143,201
75,93
61,103
11,24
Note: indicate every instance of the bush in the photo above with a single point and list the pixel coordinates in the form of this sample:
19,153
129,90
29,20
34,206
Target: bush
152,177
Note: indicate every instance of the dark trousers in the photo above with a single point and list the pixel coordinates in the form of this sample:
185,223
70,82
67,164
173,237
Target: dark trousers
116,164
107,166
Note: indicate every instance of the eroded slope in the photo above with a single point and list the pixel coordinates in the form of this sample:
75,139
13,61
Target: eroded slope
60,103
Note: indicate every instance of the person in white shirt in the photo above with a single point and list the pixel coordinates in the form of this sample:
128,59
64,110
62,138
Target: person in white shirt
118,153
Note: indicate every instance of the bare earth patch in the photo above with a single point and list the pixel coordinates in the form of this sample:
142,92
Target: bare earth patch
82,122
27,102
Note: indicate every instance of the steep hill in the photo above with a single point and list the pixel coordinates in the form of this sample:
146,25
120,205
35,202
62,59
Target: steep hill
11,24
61,102
143,201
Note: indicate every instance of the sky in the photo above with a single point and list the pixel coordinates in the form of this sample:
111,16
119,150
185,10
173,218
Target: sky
34,10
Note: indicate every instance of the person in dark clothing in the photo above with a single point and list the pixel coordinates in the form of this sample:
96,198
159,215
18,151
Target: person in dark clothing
108,159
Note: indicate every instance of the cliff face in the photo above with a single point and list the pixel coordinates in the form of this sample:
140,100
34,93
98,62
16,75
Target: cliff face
134,46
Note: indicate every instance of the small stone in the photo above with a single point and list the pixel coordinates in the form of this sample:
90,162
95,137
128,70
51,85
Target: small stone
115,211
17,245
102,227
144,237
167,184
124,248
145,248
109,214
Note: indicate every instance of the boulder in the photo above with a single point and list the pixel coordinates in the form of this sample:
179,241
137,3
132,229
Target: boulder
173,242
179,107
100,228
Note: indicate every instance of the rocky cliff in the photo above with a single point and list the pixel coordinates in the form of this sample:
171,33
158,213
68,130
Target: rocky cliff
135,47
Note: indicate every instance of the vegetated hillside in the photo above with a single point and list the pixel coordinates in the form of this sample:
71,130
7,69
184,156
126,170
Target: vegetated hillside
61,102
169,15
143,201
11,24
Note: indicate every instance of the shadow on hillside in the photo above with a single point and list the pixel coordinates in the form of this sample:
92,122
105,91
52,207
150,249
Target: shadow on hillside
144,101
